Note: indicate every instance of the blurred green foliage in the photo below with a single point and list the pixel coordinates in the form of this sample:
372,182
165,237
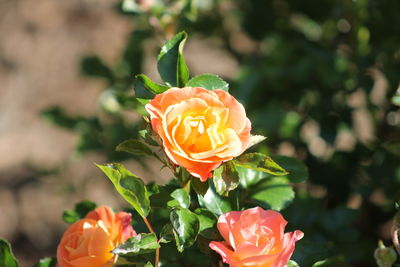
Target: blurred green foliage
318,78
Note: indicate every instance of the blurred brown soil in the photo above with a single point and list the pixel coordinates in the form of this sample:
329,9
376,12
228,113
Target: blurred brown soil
41,45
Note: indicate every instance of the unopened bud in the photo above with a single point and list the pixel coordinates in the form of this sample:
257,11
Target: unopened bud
384,256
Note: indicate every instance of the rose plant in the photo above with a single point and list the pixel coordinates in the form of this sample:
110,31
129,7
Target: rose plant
223,200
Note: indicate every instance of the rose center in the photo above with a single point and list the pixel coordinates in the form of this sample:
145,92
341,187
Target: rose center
197,122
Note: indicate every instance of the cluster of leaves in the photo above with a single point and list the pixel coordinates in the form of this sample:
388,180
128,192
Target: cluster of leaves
186,208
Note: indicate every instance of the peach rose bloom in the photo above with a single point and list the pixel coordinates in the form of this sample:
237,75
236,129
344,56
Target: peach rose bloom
255,238
89,242
199,128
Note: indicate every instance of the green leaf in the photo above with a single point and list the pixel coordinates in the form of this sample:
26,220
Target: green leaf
146,88
46,262
182,197
146,136
58,117
274,193
249,177
255,139
94,66
171,63
152,189
260,162
134,147
214,202
332,262
199,186
140,244
79,212
186,227
292,264
167,233
209,82
129,186
70,216
149,264
226,178
207,221
7,258
298,172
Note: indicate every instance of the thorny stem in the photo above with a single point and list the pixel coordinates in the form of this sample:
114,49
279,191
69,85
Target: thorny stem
157,257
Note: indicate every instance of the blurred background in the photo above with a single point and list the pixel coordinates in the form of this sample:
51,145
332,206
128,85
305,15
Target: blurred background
318,78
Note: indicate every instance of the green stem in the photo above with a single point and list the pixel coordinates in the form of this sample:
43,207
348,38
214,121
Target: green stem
157,257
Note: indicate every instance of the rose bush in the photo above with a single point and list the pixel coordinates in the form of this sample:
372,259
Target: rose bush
89,241
255,238
199,128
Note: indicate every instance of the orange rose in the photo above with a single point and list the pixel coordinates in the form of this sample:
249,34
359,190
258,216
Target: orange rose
255,238
199,128
89,242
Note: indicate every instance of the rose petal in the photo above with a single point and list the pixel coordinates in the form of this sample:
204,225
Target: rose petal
223,249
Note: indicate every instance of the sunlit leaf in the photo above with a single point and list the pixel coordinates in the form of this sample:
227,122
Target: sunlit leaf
274,193
171,63
182,197
139,244
7,258
214,202
186,227
260,162
146,88
225,178
129,186
209,82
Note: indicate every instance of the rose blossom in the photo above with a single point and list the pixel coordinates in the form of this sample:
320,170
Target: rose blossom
255,238
199,128
89,242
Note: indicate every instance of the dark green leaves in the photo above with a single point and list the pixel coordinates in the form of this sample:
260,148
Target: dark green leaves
80,211
260,162
140,244
182,197
274,193
214,202
129,186
298,172
226,178
209,82
7,258
207,221
146,88
94,66
47,262
185,226
171,63
249,177
134,147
